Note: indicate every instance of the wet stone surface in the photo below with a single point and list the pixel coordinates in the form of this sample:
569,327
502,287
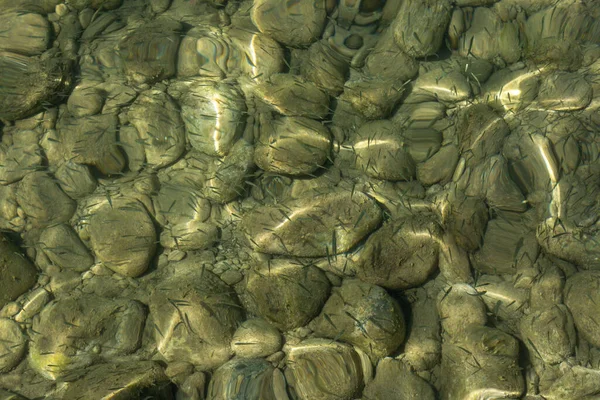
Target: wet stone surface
299,200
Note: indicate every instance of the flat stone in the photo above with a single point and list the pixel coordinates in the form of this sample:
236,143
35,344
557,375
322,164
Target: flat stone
288,228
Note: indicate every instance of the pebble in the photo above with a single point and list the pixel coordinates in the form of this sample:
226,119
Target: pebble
160,127
98,328
345,218
20,158
372,97
127,379
76,180
292,146
451,185
194,316
32,194
389,62
324,68
256,338
419,28
293,96
459,308
24,33
481,133
92,141
296,24
150,52
130,252
311,358
508,245
63,247
26,83
549,334
580,296
509,89
422,143
34,302
227,176
177,204
401,254
440,85
564,91
489,365
285,293
14,344
363,315
439,167
388,373
247,379
85,100
190,235
467,227
213,114
381,152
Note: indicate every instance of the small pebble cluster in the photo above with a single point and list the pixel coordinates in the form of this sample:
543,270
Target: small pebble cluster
299,199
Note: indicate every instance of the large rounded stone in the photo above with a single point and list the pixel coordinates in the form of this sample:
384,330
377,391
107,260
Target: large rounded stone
123,237
285,293
401,254
194,316
364,315
75,332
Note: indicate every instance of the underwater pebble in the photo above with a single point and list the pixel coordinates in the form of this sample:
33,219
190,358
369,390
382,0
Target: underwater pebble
285,293
276,229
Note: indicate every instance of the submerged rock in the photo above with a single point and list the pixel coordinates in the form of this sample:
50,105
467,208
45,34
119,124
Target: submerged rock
344,218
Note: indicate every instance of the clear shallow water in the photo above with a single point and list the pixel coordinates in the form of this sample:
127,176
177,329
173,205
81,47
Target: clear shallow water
299,200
